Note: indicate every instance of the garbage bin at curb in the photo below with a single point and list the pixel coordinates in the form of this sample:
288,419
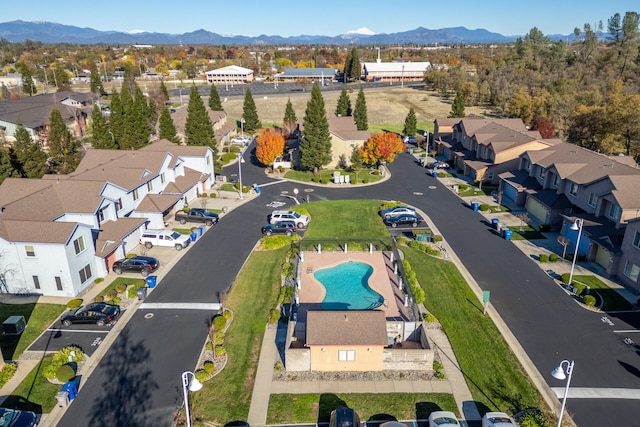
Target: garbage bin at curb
193,236
435,174
475,206
495,222
141,293
63,399
225,209
152,281
71,388
507,234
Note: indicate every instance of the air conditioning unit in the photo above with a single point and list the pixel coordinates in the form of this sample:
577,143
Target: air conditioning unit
14,325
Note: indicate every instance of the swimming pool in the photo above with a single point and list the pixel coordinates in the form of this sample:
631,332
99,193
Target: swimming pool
347,287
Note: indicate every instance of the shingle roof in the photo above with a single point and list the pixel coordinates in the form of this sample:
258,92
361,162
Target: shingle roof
346,129
112,233
34,111
36,231
158,202
350,327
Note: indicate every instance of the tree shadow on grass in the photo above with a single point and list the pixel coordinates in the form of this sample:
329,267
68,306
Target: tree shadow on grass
329,402
126,394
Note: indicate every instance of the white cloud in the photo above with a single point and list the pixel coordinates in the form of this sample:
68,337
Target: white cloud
135,31
363,30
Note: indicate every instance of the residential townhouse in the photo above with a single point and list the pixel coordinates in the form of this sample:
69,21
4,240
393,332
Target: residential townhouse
345,136
58,234
562,183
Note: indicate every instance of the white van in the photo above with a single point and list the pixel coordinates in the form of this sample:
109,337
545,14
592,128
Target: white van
151,238
298,219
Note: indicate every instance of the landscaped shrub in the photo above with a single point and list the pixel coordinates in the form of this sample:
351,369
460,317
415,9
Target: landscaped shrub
114,301
554,257
209,366
219,322
418,294
227,314
484,207
7,372
437,365
324,180
278,241
288,269
365,181
285,295
65,373
121,287
98,298
111,293
565,278
433,252
74,303
219,338
99,280
208,346
589,300
201,375
535,419
543,258
204,195
213,195
315,179
274,316
437,238
220,350
401,240
463,187
62,357
430,318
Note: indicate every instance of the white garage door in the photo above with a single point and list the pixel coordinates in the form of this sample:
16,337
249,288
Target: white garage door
602,257
537,209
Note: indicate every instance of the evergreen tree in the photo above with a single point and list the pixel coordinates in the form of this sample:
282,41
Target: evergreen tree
457,108
352,67
164,92
64,149
167,128
28,85
410,124
250,113
356,159
29,157
116,118
198,128
214,99
7,168
100,133
315,145
343,109
360,112
290,120
96,81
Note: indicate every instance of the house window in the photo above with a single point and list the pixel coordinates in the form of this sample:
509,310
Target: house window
119,204
85,273
556,180
58,283
614,212
542,173
162,176
490,176
135,195
36,282
150,186
636,240
100,215
573,190
30,251
208,159
631,271
78,244
593,200
346,355
525,164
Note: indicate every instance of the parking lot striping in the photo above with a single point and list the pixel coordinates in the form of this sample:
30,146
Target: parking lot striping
272,183
180,305
78,330
597,393
626,331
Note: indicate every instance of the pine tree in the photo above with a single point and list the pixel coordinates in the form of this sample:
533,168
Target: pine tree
315,145
164,92
116,119
343,109
360,112
29,157
250,113
198,128
28,85
410,124
100,133
356,159
457,108
167,127
7,169
290,120
64,154
96,81
214,99
352,67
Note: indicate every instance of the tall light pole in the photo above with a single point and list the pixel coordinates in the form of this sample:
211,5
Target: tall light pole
576,226
240,162
186,388
242,128
559,374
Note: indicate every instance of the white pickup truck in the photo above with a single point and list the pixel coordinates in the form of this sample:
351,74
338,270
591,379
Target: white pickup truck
151,238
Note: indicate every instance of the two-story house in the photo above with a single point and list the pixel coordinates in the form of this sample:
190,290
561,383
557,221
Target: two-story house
345,136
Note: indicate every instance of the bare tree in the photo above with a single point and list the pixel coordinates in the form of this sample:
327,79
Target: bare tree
564,242
524,219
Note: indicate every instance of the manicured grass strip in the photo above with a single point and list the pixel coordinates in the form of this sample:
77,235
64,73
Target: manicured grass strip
311,408
35,393
227,396
613,301
357,219
492,372
527,233
38,317
327,174
127,281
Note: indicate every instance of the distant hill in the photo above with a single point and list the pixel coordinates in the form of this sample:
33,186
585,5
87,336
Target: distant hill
49,32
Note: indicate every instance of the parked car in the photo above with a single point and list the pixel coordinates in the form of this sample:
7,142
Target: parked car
439,165
151,238
403,219
393,424
299,219
16,418
497,419
344,417
145,265
196,215
280,227
397,210
99,313
409,139
443,419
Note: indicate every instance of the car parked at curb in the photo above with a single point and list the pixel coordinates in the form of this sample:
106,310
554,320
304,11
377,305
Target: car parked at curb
439,165
99,313
344,417
196,215
144,265
299,219
17,418
404,219
443,419
397,210
151,238
497,419
280,227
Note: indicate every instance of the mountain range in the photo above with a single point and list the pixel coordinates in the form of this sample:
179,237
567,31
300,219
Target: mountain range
49,32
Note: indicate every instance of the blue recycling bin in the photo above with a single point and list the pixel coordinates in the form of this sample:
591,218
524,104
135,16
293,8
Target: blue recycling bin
507,234
198,231
495,222
435,174
194,236
151,281
475,206
72,388
257,190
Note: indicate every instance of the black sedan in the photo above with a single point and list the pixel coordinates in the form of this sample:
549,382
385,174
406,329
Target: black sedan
99,313
145,265
16,418
280,227
404,219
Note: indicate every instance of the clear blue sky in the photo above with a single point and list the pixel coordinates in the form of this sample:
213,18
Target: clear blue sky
328,17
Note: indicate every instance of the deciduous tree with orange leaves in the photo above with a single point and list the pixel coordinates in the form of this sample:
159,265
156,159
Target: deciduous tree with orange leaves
269,145
381,147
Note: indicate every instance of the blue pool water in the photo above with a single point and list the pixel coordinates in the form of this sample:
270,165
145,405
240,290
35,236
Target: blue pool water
347,287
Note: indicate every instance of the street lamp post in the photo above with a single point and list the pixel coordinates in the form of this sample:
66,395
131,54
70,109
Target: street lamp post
186,388
240,162
576,226
559,373
242,128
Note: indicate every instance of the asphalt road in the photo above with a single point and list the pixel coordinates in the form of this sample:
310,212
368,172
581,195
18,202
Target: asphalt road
138,381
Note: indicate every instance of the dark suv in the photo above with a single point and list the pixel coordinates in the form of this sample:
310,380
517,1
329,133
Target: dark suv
280,227
143,264
344,417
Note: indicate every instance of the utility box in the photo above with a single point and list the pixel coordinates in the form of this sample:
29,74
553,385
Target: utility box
14,325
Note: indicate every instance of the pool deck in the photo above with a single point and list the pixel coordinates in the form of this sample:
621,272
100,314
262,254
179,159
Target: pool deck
382,280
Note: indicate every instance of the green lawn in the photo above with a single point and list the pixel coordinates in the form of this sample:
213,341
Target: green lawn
312,408
528,233
38,316
35,393
327,175
493,373
357,219
612,300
